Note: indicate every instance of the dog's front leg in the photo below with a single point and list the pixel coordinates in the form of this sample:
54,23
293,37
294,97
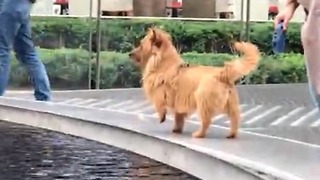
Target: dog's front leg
178,122
161,110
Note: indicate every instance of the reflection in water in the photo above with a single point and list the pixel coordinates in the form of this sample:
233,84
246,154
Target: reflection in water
31,153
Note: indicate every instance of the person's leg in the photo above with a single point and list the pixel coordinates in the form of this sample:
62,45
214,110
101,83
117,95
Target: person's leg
9,26
310,37
27,55
269,15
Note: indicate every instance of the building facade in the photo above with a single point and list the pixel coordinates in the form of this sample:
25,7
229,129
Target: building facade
230,9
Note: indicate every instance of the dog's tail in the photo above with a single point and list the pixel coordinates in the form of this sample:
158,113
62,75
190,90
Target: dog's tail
234,70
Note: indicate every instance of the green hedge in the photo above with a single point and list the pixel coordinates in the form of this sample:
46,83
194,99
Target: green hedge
189,36
69,68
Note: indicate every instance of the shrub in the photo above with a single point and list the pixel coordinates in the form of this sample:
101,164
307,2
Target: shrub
69,68
189,36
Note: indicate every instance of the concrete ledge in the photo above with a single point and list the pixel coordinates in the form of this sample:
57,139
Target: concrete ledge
269,94
189,160
213,158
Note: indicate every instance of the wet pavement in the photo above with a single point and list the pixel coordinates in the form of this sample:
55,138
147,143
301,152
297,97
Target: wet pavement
32,153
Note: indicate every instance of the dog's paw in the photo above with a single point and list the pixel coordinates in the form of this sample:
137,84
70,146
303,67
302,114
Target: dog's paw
177,130
231,136
163,119
198,134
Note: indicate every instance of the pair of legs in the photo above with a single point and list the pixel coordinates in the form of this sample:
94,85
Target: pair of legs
15,31
310,37
272,15
206,113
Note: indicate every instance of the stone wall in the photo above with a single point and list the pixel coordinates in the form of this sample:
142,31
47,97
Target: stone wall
199,8
156,8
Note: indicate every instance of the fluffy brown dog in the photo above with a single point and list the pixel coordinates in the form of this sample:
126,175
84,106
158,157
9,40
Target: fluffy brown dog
170,83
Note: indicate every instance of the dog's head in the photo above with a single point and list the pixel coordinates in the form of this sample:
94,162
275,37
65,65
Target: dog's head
155,42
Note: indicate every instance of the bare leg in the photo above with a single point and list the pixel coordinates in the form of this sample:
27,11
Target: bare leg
310,37
178,122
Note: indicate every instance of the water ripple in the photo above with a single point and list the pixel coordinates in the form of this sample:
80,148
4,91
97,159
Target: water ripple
31,153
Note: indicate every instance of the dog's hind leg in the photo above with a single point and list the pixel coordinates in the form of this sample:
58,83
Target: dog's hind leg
205,112
205,109
205,123
233,112
179,119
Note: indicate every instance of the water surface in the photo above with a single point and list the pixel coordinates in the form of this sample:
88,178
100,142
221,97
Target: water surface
32,153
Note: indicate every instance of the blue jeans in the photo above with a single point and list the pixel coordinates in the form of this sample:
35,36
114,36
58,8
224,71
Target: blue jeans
15,31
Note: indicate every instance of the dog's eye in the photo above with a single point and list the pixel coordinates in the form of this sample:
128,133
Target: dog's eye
136,43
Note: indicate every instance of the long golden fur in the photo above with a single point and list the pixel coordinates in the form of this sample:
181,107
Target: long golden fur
171,84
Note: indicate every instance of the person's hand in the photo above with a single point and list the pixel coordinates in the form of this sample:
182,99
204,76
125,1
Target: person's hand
285,16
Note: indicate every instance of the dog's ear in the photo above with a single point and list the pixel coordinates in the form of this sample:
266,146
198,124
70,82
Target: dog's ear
156,39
